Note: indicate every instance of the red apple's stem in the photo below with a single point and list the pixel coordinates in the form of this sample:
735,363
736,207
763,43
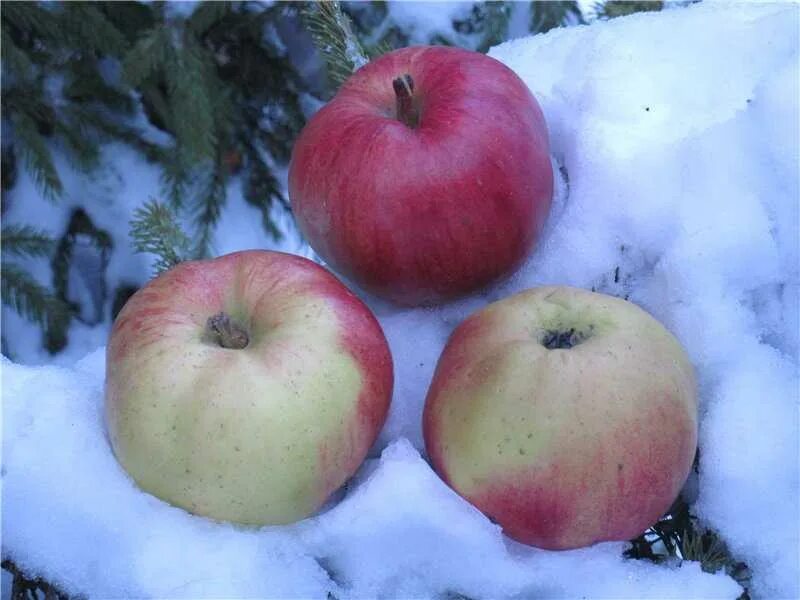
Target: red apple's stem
407,112
227,333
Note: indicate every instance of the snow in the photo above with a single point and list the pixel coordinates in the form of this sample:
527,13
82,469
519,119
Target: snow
74,516
678,134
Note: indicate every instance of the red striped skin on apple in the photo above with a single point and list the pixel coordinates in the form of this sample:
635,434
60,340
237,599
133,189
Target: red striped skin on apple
424,212
566,416
255,434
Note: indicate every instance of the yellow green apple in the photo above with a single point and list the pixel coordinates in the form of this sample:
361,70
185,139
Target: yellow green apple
245,388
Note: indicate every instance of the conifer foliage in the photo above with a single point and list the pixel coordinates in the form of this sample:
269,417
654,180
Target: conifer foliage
620,8
40,45
19,289
333,35
77,75
155,229
228,96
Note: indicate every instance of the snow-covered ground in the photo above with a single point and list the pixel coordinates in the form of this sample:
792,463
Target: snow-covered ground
678,133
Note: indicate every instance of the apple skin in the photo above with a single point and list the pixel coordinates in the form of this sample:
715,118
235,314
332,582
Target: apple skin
259,435
424,215
563,447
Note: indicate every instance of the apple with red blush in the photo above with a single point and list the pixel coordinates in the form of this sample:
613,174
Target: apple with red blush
568,417
426,177
246,388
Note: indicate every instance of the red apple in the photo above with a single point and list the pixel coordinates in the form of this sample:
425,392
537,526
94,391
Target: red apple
568,417
245,388
427,176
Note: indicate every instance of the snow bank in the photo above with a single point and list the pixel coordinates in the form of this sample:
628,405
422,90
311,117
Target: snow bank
72,515
678,133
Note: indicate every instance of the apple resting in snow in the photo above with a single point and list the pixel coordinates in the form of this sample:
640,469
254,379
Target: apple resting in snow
427,177
245,388
568,417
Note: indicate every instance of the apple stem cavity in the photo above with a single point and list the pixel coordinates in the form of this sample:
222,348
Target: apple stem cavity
407,112
227,333
554,339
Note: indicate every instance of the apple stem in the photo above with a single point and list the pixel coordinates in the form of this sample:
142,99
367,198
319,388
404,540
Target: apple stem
407,113
562,340
227,333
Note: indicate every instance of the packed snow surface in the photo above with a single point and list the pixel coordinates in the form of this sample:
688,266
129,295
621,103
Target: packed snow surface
676,137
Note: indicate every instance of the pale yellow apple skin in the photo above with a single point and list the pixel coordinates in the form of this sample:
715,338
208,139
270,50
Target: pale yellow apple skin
564,447
258,435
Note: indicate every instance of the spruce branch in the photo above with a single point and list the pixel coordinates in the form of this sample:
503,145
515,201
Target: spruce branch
489,21
495,29
262,191
677,536
333,36
148,54
24,240
24,588
85,26
14,59
621,8
155,229
549,15
28,98
31,299
192,117
86,84
209,207
175,176
206,15
33,149
8,167
155,104
81,145
706,548
35,18
92,123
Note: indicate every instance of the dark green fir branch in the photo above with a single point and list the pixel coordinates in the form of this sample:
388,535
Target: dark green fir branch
81,146
206,15
488,21
36,19
31,299
210,203
25,588
101,126
84,25
556,13
677,536
189,75
155,229
24,240
150,52
13,57
333,36
263,191
85,85
175,175
31,145
704,547
621,8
